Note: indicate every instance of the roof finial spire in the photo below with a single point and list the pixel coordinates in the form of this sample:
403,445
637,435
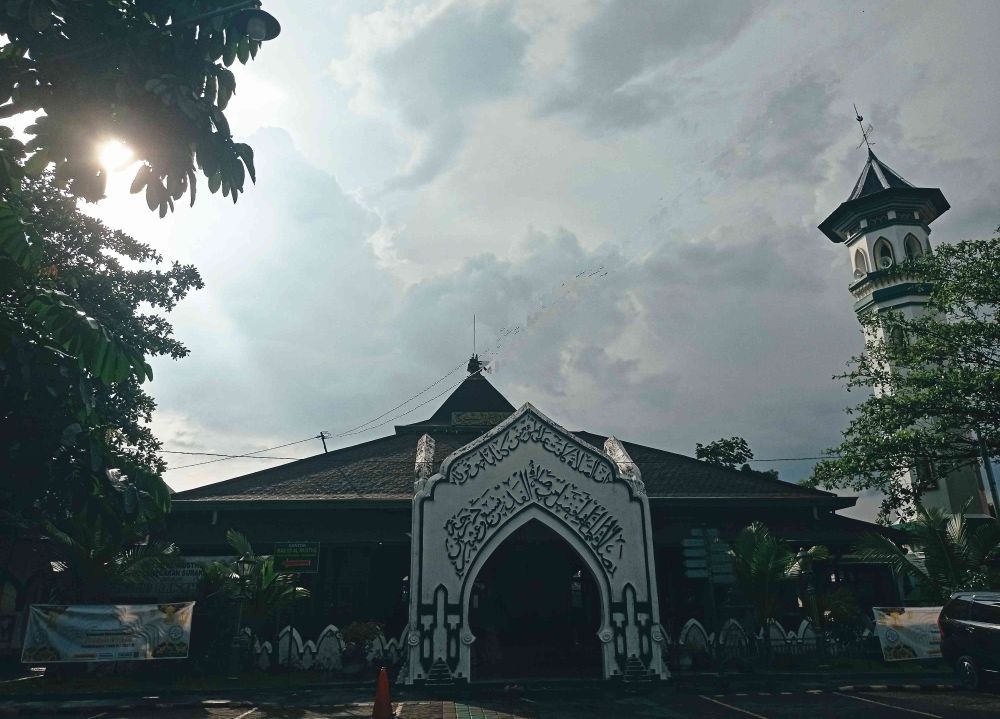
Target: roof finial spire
865,131
475,364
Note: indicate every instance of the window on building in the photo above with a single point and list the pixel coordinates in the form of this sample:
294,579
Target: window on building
883,254
860,263
913,247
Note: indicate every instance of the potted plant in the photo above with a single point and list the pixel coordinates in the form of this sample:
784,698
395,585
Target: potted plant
358,638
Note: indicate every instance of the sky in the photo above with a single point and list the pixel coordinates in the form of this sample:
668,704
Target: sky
624,193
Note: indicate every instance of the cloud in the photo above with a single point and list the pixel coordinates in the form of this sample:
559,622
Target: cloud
784,140
308,331
624,60
430,66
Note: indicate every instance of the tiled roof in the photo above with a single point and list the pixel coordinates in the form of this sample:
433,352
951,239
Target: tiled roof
380,469
474,401
875,177
667,474
383,469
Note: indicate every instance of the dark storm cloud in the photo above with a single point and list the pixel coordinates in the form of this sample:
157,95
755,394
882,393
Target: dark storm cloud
627,39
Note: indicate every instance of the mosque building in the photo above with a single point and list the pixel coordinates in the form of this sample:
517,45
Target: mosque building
498,543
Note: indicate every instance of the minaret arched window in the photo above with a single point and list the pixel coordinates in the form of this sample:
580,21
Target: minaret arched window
860,264
884,259
913,247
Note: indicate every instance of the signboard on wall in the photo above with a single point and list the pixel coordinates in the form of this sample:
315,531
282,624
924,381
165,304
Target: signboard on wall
908,632
59,633
298,557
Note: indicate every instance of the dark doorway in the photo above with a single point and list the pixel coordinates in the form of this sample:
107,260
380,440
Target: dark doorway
535,610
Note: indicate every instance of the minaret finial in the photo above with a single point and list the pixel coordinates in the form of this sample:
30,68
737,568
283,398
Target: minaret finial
865,131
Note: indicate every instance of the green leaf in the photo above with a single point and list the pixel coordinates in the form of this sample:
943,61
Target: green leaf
245,152
39,15
37,163
243,50
141,178
153,192
221,124
15,242
78,333
229,54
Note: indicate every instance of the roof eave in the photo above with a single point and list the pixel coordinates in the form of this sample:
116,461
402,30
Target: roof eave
242,505
826,501
931,197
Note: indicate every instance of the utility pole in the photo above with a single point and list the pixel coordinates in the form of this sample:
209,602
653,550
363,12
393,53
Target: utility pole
322,437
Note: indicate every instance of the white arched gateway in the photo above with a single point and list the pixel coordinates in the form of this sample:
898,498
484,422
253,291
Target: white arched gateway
526,470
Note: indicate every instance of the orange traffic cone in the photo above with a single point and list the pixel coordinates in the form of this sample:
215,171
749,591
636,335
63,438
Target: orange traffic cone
383,705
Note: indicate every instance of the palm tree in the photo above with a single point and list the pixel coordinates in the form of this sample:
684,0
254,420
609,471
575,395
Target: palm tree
948,554
762,562
253,581
92,559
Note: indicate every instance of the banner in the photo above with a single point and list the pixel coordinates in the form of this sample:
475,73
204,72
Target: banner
908,632
107,632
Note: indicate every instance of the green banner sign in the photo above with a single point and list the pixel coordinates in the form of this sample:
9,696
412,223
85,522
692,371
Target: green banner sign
299,557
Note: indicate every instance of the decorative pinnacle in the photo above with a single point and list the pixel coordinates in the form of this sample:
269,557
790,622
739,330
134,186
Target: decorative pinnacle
865,132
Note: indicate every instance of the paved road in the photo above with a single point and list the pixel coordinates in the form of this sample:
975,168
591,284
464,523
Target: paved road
758,705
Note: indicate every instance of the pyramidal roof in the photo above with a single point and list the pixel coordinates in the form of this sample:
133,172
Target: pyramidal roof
878,189
475,404
875,177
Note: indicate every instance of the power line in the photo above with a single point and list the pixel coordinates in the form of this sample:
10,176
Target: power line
217,454
412,409
795,459
359,428
237,456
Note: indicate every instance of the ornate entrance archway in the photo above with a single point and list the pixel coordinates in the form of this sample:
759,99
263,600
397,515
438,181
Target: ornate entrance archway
535,609
530,469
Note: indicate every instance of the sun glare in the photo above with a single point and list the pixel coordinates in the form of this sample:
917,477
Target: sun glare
115,155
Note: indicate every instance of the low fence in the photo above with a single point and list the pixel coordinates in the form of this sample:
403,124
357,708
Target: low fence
325,653
732,643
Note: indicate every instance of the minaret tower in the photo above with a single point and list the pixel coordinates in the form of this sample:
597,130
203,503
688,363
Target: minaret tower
883,222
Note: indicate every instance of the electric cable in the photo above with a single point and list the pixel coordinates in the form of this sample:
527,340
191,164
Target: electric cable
358,428
237,456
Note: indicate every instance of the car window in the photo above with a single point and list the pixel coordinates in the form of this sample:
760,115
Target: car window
985,610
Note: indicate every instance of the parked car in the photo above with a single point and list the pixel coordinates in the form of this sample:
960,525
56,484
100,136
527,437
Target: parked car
970,635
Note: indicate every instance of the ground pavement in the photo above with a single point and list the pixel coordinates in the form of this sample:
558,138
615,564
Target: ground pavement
590,704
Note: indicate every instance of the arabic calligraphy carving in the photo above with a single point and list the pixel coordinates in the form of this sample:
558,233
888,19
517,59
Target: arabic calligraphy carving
470,527
531,429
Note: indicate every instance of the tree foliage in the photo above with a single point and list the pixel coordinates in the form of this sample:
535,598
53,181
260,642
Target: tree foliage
254,582
935,384
61,426
147,73
948,554
96,554
730,452
154,75
726,452
763,562
137,71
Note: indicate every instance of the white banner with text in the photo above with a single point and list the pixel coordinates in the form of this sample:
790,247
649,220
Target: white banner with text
107,632
908,632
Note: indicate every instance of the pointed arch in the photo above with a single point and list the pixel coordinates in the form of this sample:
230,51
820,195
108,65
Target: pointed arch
912,247
537,514
860,262
884,256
